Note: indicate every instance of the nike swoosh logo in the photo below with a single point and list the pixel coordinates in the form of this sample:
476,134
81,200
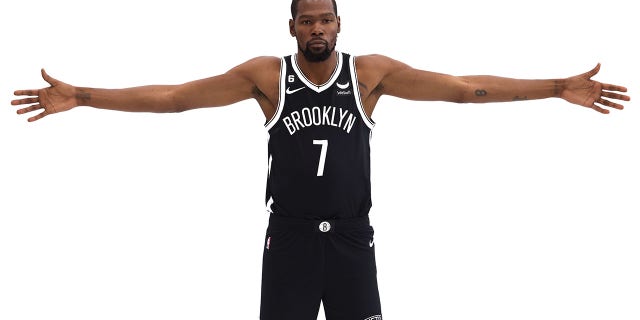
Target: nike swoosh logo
289,91
371,244
343,86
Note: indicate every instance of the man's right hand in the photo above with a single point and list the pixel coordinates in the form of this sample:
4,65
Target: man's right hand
58,97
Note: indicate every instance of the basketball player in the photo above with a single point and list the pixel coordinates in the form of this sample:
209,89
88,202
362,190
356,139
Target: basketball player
318,105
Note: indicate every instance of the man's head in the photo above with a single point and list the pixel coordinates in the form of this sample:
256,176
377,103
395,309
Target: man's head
315,24
294,8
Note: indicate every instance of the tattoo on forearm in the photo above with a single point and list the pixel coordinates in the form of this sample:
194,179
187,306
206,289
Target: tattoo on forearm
519,98
481,93
83,97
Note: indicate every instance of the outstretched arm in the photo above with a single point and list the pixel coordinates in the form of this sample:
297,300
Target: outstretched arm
400,80
580,90
236,85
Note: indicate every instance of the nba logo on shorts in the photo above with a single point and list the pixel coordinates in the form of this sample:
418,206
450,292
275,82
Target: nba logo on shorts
268,243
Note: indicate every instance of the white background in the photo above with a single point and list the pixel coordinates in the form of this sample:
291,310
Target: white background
519,211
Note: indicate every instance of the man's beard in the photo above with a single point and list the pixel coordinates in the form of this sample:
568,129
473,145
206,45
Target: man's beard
317,57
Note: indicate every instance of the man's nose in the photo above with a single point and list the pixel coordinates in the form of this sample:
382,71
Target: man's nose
317,31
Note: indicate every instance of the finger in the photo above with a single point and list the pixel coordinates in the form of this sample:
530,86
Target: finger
29,109
47,77
613,87
24,101
31,92
600,109
593,71
610,104
38,116
617,96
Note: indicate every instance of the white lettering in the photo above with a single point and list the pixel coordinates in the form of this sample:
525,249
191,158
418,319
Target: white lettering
296,119
333,117
316,116
350,122
289,125
343,113
325,116
307,118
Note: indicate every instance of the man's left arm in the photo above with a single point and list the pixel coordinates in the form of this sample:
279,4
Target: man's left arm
402,81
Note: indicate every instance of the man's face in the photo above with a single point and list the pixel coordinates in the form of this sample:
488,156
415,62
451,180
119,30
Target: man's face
316,28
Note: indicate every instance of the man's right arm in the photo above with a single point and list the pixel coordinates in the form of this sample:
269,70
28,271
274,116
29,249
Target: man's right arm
233,86
216,91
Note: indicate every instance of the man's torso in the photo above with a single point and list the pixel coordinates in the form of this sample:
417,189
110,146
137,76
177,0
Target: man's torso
319,164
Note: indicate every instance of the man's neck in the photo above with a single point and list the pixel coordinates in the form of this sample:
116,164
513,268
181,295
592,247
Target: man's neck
317,72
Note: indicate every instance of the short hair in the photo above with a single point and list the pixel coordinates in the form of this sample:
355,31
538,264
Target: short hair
294,8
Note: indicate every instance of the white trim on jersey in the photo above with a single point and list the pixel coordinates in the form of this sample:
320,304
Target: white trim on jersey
311,85
280,106
356,91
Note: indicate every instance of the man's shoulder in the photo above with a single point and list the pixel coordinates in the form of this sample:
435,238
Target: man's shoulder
263,61
258,65
372,62
260,71
373,58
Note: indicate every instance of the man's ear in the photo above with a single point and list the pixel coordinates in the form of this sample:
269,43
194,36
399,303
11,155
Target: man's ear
292,27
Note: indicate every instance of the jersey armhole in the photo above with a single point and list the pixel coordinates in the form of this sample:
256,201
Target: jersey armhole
356,89
281,94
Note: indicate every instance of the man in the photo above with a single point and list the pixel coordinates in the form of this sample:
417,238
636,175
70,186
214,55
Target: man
318,106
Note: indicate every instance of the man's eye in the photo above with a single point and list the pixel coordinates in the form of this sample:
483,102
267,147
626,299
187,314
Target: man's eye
327,20
306,21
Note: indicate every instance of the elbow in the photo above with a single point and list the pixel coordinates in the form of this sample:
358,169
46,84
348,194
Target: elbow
459,98
174,101
470,90
180,109
458,91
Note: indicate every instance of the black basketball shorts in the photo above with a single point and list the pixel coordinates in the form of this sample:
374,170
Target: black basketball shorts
307,261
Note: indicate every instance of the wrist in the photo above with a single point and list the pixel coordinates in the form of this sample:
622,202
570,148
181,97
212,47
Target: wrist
82,95
558,87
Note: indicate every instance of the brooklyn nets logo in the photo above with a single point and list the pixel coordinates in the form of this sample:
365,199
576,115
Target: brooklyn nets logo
378,317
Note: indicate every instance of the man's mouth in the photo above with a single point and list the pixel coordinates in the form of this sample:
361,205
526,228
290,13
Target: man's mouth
317,43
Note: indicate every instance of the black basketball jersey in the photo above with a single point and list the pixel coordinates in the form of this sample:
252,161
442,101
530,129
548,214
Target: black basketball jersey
319,159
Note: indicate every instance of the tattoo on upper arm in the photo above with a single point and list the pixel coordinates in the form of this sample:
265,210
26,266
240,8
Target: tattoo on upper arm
83,97
481,93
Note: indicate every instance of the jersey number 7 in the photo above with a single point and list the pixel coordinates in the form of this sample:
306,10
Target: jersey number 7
323,155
